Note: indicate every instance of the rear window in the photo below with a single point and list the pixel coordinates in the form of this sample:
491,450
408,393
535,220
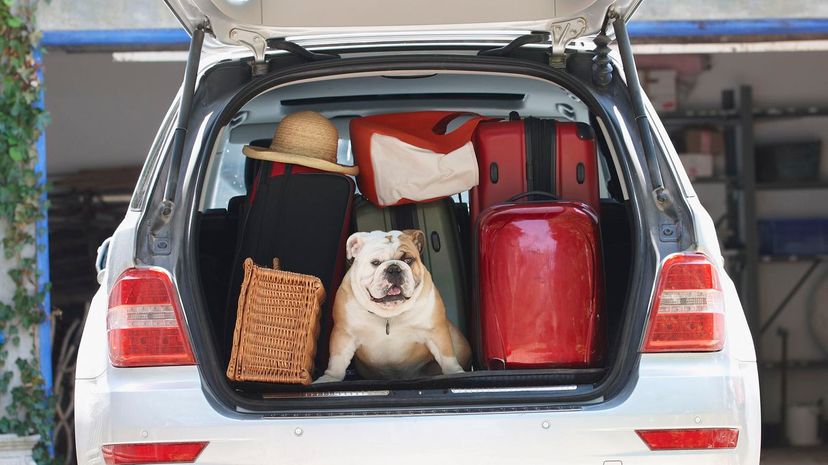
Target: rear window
362,96
159,146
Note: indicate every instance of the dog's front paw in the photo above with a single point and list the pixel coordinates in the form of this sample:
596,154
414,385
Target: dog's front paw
326,378
453,369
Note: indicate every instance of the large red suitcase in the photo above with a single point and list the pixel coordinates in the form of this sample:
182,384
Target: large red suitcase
534,154
540,293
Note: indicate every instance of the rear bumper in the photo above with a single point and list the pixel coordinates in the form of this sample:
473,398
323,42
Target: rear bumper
672,391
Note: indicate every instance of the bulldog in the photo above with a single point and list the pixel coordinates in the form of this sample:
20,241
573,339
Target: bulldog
389,314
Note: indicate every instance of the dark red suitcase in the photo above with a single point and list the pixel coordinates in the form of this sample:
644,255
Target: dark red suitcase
540,292
534,154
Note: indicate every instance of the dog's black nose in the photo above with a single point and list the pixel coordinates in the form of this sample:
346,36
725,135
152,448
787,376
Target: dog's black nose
393,269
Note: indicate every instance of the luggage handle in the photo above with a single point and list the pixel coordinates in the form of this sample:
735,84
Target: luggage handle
539,193
467,127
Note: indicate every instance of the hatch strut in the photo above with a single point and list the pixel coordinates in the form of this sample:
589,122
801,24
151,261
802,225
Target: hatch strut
182,121
159,234
637,97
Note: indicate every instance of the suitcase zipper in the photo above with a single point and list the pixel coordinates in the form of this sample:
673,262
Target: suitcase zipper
541,155
528,149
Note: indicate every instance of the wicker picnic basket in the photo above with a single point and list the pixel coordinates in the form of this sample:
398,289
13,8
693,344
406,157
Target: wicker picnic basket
277,324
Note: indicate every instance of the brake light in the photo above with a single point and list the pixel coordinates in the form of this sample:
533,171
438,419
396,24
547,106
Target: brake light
144,322
171,452
687,439
688,313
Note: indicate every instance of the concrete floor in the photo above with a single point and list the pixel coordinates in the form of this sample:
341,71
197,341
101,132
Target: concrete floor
795,456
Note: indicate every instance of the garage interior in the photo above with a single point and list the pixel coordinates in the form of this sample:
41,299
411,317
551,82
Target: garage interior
749,127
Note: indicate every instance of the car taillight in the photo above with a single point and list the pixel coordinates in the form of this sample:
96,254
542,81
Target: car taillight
689,439
687,313
144,324
169,452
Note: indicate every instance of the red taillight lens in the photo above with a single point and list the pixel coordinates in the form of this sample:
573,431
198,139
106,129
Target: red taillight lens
144,323
688,313
171,452
685,439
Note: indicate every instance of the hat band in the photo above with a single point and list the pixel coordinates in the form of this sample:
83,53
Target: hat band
296,159
327,156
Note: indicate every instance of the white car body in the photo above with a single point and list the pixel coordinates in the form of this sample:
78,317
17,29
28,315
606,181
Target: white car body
669,391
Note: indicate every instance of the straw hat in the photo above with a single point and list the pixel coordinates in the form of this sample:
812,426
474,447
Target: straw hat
304,138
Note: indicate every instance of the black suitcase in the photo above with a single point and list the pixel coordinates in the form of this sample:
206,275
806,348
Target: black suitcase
218,227
301,216
616,243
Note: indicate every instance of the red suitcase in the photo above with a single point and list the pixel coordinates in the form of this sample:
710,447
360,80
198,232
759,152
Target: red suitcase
540,286
534,154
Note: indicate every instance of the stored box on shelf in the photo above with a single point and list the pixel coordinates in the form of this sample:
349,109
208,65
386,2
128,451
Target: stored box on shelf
697,165
660,86
797,161
802,236
704,140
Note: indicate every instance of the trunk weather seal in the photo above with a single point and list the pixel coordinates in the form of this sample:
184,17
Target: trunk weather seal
645,258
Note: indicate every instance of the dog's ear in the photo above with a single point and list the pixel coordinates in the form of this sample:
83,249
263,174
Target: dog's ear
355,242
418,237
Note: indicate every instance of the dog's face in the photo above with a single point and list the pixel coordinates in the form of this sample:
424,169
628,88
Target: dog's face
387,272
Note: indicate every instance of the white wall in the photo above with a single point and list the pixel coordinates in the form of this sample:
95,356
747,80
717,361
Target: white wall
730,9
28,341
104,113
790,79
141,14
105,14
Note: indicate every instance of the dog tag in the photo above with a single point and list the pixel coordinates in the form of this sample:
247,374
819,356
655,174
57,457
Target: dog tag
387,327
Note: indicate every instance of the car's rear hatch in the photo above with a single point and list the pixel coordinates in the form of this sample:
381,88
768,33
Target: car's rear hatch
251,23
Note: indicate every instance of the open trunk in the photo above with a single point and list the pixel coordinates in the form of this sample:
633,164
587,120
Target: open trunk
229,179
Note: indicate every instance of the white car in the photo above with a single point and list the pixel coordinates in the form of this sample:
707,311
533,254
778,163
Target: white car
680,382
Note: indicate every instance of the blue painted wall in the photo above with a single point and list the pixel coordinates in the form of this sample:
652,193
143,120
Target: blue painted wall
638,29
42,243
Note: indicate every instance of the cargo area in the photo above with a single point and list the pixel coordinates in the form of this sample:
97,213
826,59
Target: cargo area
450,223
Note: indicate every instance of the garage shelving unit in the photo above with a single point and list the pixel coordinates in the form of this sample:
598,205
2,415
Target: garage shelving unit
737,117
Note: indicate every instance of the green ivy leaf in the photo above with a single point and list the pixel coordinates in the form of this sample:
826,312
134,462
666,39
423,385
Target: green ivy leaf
16,154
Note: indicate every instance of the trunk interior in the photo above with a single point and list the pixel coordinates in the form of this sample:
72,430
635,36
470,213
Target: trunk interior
231,177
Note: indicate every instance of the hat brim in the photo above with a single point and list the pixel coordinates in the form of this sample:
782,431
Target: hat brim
267,154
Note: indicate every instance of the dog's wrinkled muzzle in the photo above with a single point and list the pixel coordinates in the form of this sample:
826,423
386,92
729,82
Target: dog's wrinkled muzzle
394,293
